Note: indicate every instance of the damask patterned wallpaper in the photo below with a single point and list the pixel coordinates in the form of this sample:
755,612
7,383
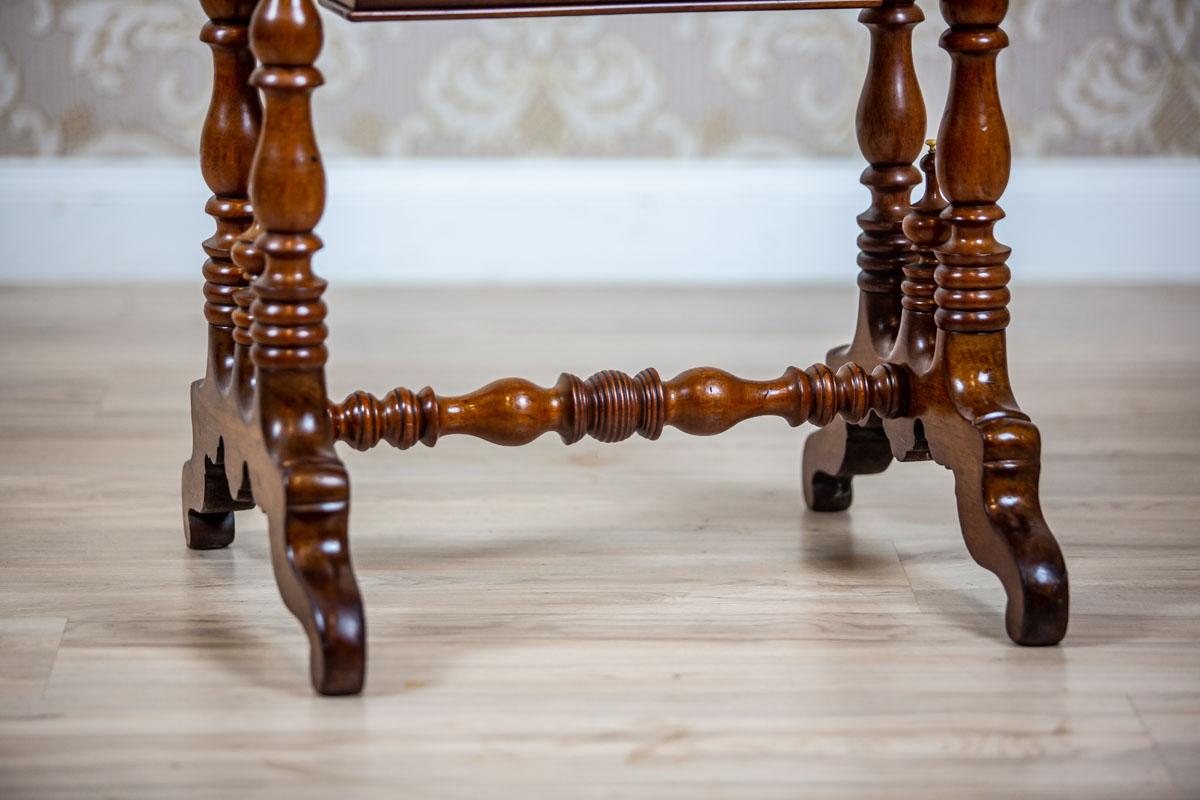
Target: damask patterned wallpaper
128,77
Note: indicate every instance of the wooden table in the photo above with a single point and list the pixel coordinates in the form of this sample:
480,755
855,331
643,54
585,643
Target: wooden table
925,376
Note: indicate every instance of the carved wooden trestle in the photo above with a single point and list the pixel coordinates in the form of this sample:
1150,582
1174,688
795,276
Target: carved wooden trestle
924,377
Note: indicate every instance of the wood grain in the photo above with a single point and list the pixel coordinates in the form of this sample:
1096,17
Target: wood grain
611,406
652,620
260,432
962,412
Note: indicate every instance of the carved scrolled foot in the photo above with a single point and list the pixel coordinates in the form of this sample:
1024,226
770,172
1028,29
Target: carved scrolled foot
836,453
971,420
311,557
996,483
208,505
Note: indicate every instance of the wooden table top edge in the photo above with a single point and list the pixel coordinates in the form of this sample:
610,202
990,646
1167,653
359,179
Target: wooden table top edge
395,10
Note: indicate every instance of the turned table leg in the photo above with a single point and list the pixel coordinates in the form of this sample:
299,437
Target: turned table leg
891,125
307,501
972,422
226,150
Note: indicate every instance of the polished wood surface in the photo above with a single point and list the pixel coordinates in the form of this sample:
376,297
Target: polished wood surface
890,124
385,10
961,410
964,401
644,620
924,377
261,430
611,406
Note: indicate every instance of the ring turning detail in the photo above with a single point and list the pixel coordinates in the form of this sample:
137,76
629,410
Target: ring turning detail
612,406
924,378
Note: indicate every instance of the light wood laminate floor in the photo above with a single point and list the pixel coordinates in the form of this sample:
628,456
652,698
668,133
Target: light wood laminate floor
641,620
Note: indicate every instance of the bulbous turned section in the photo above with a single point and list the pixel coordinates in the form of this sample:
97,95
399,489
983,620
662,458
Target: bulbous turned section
287,314
612,406
890,124
973,161
227,147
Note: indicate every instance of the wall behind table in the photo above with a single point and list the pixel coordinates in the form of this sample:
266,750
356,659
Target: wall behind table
122,77
421,121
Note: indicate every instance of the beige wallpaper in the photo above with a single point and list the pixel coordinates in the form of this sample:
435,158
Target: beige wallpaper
122,77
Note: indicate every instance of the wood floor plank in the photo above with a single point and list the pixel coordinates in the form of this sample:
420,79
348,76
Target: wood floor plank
643,620
28,646
1173,721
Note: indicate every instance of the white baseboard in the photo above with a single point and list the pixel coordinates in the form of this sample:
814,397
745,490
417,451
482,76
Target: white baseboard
512,221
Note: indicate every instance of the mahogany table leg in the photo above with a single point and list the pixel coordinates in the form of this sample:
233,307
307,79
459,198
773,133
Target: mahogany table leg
307,501
971,420
227,149
891,126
